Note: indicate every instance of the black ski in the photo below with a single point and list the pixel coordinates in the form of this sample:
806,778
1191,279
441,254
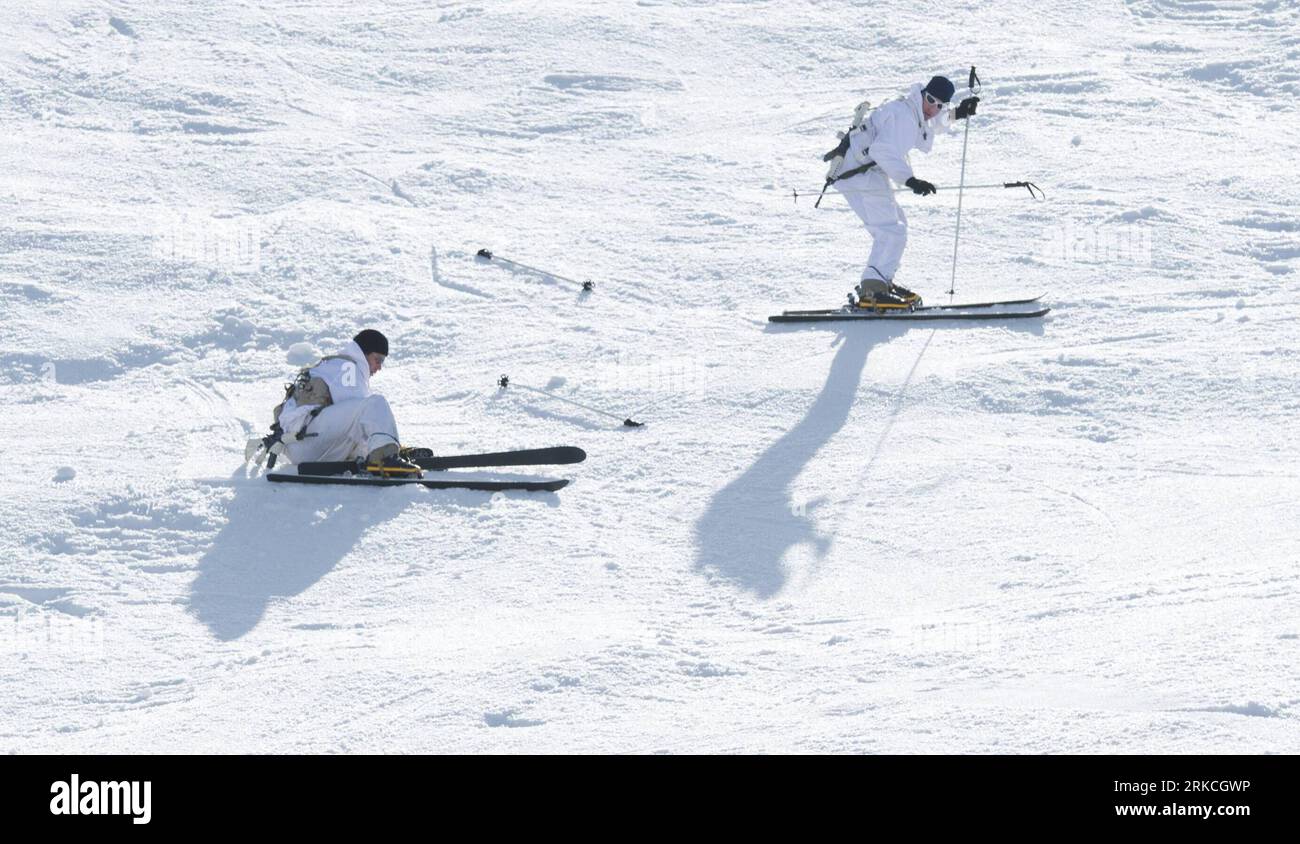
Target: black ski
522,457
973,305
364,480
851,316
968,306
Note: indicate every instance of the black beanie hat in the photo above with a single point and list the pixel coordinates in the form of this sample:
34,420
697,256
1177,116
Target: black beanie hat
941,88
371,340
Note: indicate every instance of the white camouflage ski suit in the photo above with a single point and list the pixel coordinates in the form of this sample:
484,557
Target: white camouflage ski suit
353,425
886,137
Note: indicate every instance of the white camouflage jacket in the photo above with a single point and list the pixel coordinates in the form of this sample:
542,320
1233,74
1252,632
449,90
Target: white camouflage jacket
892,131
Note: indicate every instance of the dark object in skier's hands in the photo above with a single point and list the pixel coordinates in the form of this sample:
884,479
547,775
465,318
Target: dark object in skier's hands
966,108
920,186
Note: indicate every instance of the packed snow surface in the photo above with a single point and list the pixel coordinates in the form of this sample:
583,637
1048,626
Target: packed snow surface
1074,534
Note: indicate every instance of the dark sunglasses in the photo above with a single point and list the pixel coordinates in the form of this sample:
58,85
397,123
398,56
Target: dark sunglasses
934,101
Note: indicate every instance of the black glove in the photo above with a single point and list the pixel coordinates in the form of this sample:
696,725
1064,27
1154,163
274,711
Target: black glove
920,186
966,108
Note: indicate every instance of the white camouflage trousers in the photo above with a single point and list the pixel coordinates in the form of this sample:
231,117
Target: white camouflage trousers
871,196
345,431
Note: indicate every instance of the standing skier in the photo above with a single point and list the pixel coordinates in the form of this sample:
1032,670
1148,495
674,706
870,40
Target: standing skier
874,152
329,412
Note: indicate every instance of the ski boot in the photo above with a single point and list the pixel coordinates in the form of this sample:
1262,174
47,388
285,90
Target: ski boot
415,454
905,294
387,462
869,297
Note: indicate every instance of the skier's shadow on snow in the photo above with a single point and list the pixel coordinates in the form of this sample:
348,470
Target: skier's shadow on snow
753,521
277,543
280,540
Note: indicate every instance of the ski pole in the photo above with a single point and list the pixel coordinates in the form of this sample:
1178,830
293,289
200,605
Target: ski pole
961,185
587,286
1034,190
504,382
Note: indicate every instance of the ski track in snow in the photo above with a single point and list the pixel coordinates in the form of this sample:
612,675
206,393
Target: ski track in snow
1074,535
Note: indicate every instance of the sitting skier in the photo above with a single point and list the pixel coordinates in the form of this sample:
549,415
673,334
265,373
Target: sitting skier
872,153
329,412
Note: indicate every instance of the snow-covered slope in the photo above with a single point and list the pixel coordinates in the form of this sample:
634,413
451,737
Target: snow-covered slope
1069,535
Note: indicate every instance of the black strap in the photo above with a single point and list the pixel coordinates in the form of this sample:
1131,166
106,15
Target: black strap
846,175
854,172
302,432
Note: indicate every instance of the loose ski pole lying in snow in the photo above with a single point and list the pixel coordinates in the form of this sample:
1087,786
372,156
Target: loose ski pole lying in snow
586,286
1034,190
504,382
